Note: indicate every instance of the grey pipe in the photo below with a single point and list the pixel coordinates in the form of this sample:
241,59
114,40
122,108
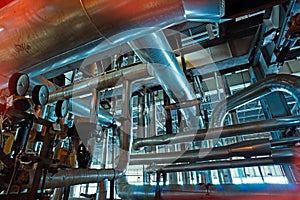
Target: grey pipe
281,82
279,123
245,149
279,156
197,191
51,29
100,82
81,109
155,49
68,177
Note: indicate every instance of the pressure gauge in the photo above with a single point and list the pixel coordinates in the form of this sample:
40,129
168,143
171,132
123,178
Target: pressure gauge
18,84
40,95
61,108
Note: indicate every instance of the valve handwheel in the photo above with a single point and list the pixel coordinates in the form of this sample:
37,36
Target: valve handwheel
40,94
18,84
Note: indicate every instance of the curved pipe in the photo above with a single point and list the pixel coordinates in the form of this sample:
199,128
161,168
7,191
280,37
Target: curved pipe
279,123
281,82
155,49
44,30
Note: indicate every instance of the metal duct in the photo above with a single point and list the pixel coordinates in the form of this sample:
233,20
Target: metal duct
68,177
279,123
44,30
245,149
155,49
281,82
279,156
100,82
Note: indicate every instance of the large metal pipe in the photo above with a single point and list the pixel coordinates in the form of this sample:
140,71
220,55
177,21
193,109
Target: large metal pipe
68,177
45,30
100,82
155,49
281,82
244,149
81,109
279,156
216,192
279,123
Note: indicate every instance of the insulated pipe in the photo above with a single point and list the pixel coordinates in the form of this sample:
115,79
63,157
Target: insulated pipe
155,49
245,149
279,123
281,82
78,107
279,156
216,192
68,177
81,109
100,82
45,31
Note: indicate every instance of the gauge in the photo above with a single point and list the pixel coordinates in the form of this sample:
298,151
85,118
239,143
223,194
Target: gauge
61,108
40,95
18,84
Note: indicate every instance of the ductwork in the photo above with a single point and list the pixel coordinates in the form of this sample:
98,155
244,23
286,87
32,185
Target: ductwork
155,49
282,82
279,123
40,35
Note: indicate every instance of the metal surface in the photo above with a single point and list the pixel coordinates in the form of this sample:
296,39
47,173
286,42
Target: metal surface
155,49
100,82
68,177
282,82
279,156
196,192
45,30
279,123
245,149
81,109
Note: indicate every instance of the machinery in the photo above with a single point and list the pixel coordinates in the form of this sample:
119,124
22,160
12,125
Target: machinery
149,99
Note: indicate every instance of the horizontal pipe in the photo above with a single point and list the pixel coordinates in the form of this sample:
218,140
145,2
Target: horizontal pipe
275,83
68,177
100,82
81,109
279,156
279,123
197,191
245,149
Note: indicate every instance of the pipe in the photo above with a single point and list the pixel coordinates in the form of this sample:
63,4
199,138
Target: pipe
279,123
47,30
100,82
155,49
279,156
281,82
81,109
68,177
76,106
245,149
216,192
